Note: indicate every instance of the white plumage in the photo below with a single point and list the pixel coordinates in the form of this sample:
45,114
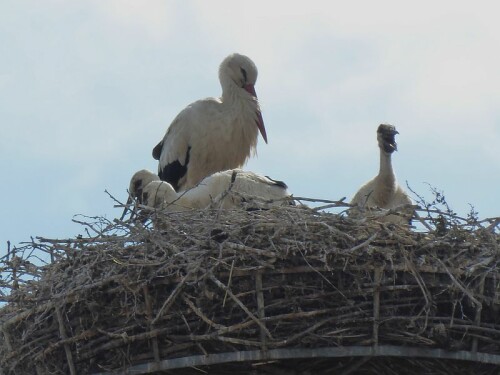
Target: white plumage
227,189
383,191
213,134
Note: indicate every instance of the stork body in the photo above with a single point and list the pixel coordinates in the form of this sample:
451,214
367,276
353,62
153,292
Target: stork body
227,189
213,134
383,191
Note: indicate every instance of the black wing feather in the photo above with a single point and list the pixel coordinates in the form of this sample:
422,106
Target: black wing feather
174,171
278,183
157,151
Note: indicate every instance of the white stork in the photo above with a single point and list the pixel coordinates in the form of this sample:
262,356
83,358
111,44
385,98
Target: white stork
227,189
383,191
213,134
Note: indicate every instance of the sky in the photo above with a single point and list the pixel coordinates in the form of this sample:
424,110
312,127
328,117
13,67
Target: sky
88,88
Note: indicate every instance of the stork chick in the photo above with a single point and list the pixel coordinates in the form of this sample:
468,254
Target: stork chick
213,134
227,189
139,181
383,191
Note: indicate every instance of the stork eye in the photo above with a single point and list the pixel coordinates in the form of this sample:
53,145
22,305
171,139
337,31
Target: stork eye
244,72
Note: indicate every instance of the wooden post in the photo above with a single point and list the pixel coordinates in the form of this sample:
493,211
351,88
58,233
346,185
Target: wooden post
479,308
377,276
260,308
7,339
64,336
149,312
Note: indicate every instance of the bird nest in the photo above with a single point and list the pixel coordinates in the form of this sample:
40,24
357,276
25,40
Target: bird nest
289,290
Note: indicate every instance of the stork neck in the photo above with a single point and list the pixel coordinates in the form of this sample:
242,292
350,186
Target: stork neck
241,112
231,93
386,172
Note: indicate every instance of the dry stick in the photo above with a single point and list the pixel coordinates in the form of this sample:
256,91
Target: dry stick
323,276
149,312
84,336
236,327
361,245
239,247
171,298
8,251
299,315
465,325
444,213
228,283
240,304
336,231
126,207
340,201
422,221
212,337
297,336
202,316
64,336
120,340
459,284
15,283
412,337
494,223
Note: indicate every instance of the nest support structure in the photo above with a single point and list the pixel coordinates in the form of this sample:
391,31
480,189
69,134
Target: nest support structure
283,291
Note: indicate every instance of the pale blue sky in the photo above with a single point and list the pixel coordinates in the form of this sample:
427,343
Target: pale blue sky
88,88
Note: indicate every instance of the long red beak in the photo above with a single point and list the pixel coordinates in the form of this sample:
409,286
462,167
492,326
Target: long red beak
260,121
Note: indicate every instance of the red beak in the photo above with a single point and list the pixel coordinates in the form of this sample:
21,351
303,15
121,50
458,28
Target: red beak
260,121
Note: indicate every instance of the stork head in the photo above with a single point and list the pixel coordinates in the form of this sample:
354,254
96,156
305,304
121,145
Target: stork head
386,136
139,181
242,71
158,193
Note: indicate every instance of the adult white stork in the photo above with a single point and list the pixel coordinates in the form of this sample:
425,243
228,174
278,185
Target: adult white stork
383,191
213,134
227,189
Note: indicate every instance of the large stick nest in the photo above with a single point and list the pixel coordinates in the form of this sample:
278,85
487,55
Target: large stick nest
288,290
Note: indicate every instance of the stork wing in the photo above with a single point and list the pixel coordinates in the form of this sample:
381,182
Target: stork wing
265,180
157,151
173,151
175,172
188,130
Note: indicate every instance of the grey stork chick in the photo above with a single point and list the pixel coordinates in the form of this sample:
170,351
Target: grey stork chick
213,134
228,189
383,191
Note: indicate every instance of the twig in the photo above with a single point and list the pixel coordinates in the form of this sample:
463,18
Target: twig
239,303
171,298
228,283
361,245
